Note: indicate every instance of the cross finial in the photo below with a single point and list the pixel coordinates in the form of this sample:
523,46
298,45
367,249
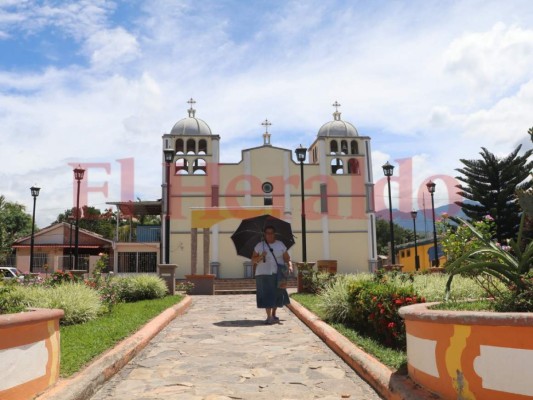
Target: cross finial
191,110
266,124
336,114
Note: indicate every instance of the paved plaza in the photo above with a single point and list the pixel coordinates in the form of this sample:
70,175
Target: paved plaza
221,349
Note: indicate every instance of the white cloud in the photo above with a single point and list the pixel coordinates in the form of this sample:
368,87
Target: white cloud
493,61
111,48
405,75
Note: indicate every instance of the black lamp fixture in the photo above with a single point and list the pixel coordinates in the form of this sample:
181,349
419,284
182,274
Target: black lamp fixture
78,175
301,153
388,169
431,189
417,261
34,192
169,157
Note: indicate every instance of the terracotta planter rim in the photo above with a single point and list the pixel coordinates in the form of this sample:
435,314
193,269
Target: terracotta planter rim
422,312
32,315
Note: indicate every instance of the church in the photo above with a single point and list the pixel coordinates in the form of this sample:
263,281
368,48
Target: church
204,199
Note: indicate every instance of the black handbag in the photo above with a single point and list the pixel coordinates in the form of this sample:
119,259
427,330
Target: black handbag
282,273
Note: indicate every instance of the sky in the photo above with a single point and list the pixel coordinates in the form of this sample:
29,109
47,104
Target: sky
98,82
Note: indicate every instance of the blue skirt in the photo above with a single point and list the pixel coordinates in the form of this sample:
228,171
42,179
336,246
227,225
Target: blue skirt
268,295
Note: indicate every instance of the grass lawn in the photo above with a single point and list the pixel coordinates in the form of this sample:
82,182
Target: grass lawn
81,343
395,359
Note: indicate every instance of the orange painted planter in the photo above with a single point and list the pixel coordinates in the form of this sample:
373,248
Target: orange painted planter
29,352
470,355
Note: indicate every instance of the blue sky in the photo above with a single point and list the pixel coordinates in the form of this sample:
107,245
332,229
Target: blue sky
98,81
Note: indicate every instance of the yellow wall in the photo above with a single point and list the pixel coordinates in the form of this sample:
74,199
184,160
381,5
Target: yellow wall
406,257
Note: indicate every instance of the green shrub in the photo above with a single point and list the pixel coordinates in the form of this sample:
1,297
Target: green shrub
375,308
334,299
80,303
60,277
140,287
517,300
11,301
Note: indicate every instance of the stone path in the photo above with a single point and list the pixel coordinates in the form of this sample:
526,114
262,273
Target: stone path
221,349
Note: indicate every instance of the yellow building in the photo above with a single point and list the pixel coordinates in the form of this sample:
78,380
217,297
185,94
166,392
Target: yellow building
426,255
209,198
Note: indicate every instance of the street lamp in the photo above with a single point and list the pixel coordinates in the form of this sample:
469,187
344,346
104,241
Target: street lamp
34,192
417,261
70,219
431,189
300,155
78,175
388,169
169,157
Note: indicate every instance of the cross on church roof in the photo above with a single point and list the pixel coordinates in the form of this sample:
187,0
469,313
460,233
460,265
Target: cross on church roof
266,124
191,110
336,105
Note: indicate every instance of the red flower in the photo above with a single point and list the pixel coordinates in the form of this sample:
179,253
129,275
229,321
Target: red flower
398,301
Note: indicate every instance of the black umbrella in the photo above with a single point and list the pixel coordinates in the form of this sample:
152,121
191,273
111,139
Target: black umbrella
250,232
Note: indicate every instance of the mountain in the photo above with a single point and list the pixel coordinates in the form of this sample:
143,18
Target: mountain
424,220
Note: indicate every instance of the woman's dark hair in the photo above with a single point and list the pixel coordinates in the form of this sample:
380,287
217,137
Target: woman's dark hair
269,227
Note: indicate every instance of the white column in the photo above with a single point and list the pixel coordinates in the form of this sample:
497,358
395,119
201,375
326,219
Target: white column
214,242
287,209
325,236
247,173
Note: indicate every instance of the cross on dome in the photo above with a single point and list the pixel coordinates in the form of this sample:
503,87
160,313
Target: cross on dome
336,114
191,110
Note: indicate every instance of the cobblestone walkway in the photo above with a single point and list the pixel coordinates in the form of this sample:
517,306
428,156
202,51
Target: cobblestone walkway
221,349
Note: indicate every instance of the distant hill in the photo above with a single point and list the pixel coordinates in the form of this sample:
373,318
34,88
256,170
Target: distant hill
424,221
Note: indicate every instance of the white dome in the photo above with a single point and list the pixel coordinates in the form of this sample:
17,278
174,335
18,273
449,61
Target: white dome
191,125
337,127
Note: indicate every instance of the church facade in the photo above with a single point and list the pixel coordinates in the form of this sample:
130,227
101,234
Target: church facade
204,199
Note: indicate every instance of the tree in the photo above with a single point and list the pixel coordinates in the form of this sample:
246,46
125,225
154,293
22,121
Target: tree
14,223
401,235
530,131
490,186
93,220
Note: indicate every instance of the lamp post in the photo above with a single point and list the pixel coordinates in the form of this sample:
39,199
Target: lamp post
431,188
70,222
78,175
169,157
417,261
34,192
388,169
300,155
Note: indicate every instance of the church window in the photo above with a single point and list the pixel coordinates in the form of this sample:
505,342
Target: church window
202,146
199,167
337,166
267,200
191,146
333,147
180,146
344,147
354,147
182,166
353,167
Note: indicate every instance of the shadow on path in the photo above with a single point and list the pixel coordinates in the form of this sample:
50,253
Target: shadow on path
242,323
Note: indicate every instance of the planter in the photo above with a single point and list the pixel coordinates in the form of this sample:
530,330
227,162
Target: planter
29,352
203,284
470,355
305,270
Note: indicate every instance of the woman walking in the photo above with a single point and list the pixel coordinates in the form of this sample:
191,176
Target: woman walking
267,255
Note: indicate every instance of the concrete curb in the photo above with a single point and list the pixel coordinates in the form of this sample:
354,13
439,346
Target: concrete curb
84,384
386,382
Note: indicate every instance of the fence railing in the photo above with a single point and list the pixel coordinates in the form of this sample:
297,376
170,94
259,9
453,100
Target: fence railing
137,262
10,261
141,234
67,262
